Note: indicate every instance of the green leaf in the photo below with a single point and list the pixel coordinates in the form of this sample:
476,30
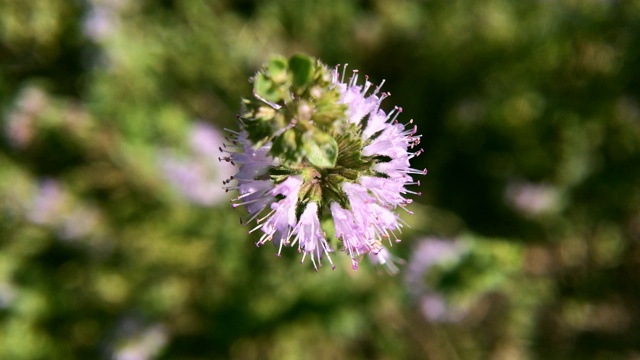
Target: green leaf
265,88
301,67
277,69
321,149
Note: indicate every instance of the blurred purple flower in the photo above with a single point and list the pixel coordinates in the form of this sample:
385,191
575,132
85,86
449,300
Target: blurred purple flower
435,308
47,205
103,18
52,207
532,199
431,252
197,175
79,222
8,294
204,139
20,126
134,340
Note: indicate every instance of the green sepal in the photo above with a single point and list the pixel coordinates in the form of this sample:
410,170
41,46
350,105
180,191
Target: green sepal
277,69
321,149
266,88
301,69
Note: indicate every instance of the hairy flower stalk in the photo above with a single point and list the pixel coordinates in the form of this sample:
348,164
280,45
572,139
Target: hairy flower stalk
321,166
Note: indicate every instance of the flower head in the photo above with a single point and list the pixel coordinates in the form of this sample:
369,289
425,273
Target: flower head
314,147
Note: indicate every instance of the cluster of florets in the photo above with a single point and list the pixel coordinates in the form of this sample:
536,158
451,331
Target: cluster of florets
321,166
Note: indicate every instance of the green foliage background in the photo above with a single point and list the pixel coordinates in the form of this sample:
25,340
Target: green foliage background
530,112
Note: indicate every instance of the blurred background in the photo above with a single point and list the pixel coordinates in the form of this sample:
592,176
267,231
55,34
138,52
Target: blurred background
116,241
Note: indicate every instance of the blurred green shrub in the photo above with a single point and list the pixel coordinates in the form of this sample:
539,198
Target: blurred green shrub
531,117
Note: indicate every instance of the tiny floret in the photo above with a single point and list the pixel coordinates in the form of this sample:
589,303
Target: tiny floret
320,165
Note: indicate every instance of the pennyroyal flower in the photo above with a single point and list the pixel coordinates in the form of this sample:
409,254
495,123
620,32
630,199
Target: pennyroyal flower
321,165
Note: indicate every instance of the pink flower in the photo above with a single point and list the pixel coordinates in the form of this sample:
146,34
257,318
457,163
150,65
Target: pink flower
345,161
310,237
282,218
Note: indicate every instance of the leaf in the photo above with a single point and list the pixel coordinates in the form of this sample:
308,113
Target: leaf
301,67
265,88
321,149
277,69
